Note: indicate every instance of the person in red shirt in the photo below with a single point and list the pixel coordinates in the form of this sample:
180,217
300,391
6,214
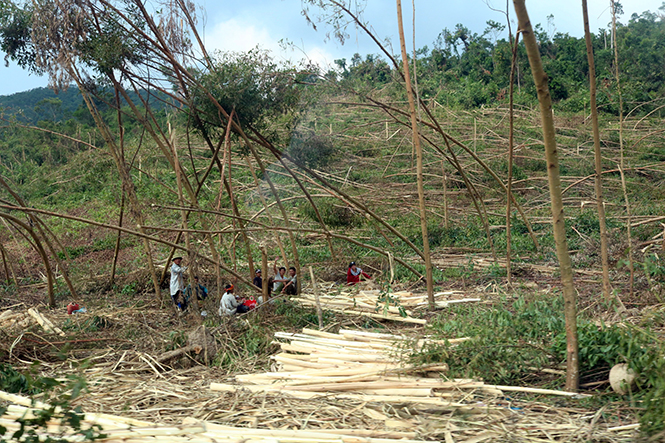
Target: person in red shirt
72,307
354,273
250,303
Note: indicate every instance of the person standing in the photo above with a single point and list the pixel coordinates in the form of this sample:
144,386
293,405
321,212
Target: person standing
354,273
177,285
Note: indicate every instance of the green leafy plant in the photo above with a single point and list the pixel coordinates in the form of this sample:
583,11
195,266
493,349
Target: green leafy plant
36,426
177,339
386,299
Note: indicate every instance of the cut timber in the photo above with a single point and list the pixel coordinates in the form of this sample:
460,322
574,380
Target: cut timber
368,302
117,429
45,323
539,391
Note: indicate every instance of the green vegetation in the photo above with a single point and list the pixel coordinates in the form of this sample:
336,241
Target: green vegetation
513,340
58,396
340,140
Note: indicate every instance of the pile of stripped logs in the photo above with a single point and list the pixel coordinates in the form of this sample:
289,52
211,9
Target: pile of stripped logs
363,366
396,306
23,319
116,429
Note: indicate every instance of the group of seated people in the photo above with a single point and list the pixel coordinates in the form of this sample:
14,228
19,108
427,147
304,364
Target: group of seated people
280,283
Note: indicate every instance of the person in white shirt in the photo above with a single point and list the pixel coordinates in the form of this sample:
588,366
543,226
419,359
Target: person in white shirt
177,286
228,305
279,279
291,287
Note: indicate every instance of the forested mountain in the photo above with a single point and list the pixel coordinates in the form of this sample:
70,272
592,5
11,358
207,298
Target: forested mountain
471,69
44,104
468,69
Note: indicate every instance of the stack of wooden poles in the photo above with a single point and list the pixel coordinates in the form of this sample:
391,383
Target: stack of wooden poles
396,306
113,428
363,366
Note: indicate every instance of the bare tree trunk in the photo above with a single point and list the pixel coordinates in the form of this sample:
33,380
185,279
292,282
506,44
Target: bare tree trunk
264,280
41,228
629,221
183,216
42,253
419,160
445,195
127,184
596,152
265,207
4,263
511,142
570,299
116,250
278,200
228,184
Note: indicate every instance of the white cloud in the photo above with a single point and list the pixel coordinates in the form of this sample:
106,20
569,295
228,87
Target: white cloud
238,35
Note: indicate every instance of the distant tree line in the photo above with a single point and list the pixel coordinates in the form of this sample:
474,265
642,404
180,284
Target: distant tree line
469,69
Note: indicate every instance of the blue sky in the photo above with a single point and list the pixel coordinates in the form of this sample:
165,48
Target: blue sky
239,26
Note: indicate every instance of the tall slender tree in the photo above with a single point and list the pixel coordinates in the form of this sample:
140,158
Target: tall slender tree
419,159
551,156
596,152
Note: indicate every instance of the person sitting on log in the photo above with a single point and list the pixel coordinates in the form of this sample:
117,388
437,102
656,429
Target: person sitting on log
354,273
279,279
291,286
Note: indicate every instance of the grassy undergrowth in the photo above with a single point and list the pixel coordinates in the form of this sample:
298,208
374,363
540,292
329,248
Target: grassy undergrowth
513,339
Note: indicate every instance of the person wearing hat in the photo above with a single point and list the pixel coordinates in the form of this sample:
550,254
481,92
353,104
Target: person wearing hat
178,283
258,280
228,305
354,273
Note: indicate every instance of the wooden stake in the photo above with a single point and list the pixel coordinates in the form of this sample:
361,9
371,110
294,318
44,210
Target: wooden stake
475,135
319,313
391,262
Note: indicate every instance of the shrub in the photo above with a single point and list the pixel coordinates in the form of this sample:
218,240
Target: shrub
314,151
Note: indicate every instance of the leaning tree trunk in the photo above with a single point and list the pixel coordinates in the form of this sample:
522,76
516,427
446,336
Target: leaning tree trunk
547,119
596,153
419,160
